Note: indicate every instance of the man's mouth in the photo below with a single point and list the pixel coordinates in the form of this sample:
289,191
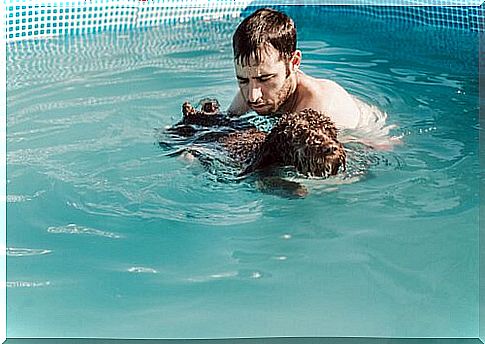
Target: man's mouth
258,106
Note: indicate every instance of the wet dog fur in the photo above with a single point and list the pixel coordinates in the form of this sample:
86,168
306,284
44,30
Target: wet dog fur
306,140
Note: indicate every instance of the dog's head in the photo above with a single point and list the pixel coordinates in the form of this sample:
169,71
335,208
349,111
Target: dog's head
207,115
306,140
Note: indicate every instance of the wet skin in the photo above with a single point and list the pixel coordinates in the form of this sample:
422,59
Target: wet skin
274,85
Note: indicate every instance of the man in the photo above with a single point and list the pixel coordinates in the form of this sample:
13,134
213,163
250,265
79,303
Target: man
270,81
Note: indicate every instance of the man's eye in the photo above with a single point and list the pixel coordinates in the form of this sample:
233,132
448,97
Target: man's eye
242,81
265,78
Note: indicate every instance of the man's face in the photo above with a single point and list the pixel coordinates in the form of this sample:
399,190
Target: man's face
266,85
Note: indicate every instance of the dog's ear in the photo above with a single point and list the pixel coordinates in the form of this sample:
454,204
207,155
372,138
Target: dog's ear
340,159
264,157
343,161
255,164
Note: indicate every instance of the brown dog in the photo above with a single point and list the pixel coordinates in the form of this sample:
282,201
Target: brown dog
306,140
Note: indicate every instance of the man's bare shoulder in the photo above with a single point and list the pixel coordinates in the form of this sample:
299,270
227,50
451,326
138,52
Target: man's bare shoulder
328,96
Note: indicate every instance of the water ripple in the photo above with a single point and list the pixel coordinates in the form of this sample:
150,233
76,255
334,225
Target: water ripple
218,214
237,275
417,77
110,52
23,198
75,229
25,252
27,284
142,270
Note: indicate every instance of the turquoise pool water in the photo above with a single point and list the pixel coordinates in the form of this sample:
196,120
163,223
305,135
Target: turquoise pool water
109,237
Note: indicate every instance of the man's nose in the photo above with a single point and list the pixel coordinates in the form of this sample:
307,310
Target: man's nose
254,92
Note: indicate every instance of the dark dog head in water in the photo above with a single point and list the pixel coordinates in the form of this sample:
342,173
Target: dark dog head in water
208,115
207,124
306,140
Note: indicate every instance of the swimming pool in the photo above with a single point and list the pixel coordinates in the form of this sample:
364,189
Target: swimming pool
109,237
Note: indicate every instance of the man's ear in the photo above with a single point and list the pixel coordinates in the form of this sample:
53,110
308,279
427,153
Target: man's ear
295,60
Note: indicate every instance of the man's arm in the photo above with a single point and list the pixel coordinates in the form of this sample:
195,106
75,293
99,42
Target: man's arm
238,105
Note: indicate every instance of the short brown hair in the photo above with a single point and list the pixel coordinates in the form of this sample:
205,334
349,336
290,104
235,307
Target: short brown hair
265,26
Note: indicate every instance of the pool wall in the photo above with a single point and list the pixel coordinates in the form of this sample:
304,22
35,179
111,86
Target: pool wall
27,20
30,19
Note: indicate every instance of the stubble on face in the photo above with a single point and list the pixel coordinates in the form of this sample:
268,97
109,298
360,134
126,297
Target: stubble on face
273,100
275,105
283,95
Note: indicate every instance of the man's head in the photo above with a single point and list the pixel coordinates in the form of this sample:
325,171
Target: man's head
266,59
